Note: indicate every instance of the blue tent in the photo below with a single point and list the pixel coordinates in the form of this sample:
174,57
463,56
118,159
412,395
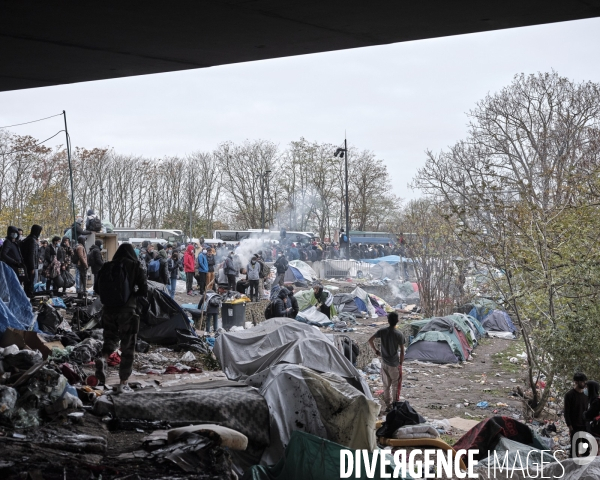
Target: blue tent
293,275
15,308
391,259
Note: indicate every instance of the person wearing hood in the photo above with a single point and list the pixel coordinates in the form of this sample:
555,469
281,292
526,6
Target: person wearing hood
189,267
230,271
592,414
11,254
281,264
95,260
324,299
163,270
174,268
81,265
92,222
253,271
202,271
282,306
30,250
293,302
121,324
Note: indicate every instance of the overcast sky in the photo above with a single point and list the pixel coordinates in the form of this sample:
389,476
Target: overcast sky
395,100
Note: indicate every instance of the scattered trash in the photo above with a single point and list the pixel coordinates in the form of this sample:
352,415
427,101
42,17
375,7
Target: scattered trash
482,404
188,357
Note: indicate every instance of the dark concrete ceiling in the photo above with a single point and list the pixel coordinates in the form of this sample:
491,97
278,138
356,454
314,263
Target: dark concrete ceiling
52,42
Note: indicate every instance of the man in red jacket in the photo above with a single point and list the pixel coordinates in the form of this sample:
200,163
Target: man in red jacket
189,267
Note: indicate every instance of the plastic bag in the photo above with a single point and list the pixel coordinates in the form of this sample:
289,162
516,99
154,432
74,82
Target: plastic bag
68,279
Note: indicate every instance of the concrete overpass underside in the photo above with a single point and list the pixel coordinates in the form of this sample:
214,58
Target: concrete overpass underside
52,42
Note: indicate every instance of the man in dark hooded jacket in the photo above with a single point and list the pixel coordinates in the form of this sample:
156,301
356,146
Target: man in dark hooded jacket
293,302
121,324
11,254
281,305
30,249
95,260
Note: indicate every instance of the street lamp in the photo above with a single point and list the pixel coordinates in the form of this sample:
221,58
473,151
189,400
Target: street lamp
343,153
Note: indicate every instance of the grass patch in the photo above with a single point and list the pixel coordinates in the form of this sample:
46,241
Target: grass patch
502,359
450,440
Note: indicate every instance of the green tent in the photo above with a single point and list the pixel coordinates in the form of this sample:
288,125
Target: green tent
309,457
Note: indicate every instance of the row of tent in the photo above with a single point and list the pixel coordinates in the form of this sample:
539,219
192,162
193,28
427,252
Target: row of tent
452,338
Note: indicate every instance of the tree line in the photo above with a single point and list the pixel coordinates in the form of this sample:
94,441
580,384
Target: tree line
300,187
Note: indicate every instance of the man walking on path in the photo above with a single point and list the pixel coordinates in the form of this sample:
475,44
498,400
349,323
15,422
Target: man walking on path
391,364
122,281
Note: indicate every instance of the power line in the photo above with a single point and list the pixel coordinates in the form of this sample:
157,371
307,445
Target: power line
35,145
33,121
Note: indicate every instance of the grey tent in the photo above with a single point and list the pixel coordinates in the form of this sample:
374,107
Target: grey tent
344,302
435,347
498,321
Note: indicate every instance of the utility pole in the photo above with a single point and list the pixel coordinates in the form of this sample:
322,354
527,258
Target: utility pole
74,232
343,153
347,201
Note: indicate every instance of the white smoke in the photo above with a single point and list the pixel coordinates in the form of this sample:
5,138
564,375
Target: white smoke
247,248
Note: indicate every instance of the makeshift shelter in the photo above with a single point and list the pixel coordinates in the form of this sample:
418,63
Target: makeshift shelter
313,316
383,270
344,302
434,347
305,269
363,302
498,323
293,275
309,457
281,340
474,323
161,316
15,308
390,259
322,404
447,325
305,299
481,307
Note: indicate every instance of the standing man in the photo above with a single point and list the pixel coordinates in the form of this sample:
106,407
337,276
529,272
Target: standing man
230,271
81,265
30,249
391,365
121,323
253,271
95,260
202,271
281,264
576,404
344,242
11,254
42,253
210,275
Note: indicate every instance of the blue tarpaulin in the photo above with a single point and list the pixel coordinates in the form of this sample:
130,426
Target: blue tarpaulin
391,259
15,308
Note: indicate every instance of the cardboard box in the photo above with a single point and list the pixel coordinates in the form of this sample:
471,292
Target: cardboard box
30,340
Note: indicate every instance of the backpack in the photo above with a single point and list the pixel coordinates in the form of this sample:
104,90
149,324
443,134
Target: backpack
402,414
113,285
344,238
95,224
75,257
153,269
269,311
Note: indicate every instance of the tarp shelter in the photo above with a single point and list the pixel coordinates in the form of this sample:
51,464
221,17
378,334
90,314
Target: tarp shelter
434,347
322,404
281,340
314,458
498,321
15,308
305,269
293,275
474,323
160,316
313,316
383,270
